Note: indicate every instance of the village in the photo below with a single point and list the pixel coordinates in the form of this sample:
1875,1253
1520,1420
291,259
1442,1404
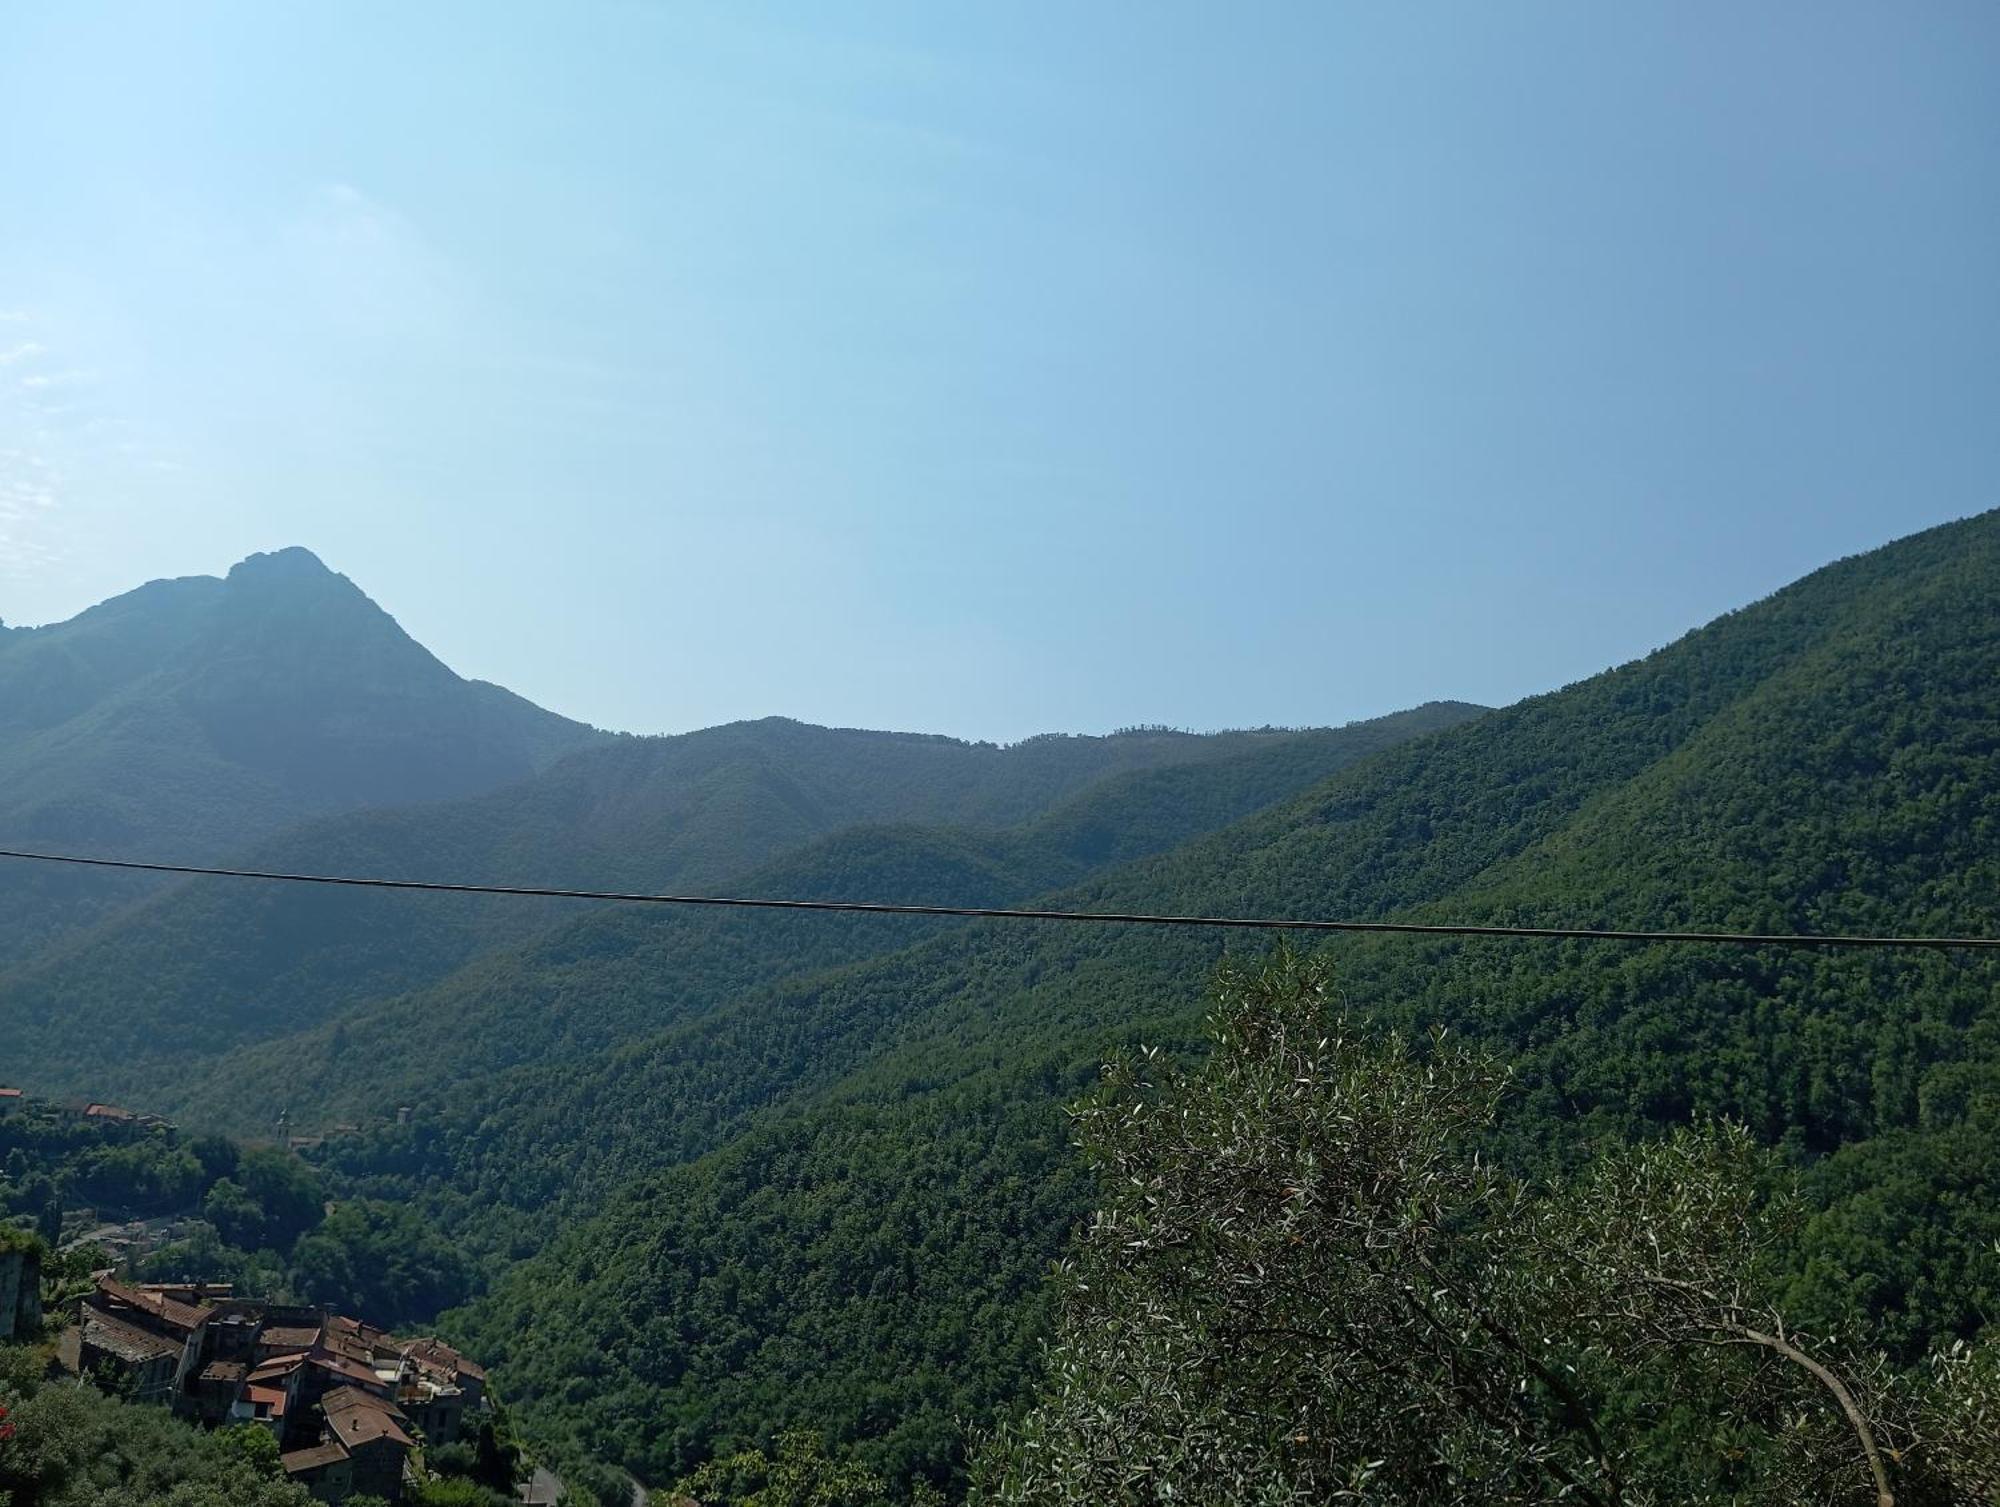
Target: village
348,1404
351,1409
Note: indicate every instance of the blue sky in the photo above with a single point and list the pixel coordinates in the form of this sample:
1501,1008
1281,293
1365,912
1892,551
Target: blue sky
1004,368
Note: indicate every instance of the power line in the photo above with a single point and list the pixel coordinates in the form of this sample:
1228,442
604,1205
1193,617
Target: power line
1001,913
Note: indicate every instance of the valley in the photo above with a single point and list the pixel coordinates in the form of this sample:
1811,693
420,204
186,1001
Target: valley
699,1178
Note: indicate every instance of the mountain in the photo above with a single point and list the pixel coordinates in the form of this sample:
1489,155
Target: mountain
721,1175
828,1201
595,981
773,807
191,718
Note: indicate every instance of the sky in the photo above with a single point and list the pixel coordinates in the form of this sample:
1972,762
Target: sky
997,369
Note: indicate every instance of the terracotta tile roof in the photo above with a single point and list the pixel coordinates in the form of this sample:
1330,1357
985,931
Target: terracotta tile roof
159,1305
318,1456
278,1365
10,1093
290,1337
435,1353
350,1345
357,1335
126,1341
193,1292
340,1365
107,1112
223,1370
354,1397
269,1397
357,1419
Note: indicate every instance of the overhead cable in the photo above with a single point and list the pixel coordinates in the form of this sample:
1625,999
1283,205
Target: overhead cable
1004,913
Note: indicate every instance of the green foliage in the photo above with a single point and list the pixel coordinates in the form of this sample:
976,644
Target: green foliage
203,1254
1305,1284
53,1160
1959,1405
456,1491
237,1217
678,1123
68,1274
691,1318
634,813
796,1474
193,717
257,1445
283,1191
264,1227
380,1259
587,983
72,1446
1825,760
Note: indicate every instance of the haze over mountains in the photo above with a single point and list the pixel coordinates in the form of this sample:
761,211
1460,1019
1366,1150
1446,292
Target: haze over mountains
199,719
724,1173
831,1199
190,718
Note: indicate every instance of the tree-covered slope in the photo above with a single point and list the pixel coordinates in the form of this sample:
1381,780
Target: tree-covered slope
108,1012
1822,760
591,983
192,717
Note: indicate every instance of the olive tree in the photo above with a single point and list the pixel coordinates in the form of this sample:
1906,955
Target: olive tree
1306,1283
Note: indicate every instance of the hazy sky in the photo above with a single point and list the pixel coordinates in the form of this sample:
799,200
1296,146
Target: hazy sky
990,369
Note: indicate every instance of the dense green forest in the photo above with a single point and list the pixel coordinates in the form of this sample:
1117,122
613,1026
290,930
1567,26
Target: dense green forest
592,983
1823,760
257,1216
730,806
1305,1283
68,1445
709,1181
191,718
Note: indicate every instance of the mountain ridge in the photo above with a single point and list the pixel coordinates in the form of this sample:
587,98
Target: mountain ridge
637,814
902,1114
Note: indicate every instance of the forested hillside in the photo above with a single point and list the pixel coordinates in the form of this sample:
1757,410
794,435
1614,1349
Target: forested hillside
104,1013
609,977
716,1176
831,1201
191,718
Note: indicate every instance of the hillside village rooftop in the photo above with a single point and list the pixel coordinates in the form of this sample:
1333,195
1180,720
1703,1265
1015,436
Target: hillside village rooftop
346,1401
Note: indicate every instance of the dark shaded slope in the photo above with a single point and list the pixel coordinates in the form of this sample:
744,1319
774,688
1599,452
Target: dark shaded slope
1410,827
614,975
190,718
128,1009
1824,758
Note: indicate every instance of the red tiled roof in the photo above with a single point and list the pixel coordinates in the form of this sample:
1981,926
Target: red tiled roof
354,1397
358,1332
278,1365
222,1370
318,1456
352,1346
106,1112
10,1093
356,1418
290,1337
128,1341
340,1365
160,1306
270,1397
437,1354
